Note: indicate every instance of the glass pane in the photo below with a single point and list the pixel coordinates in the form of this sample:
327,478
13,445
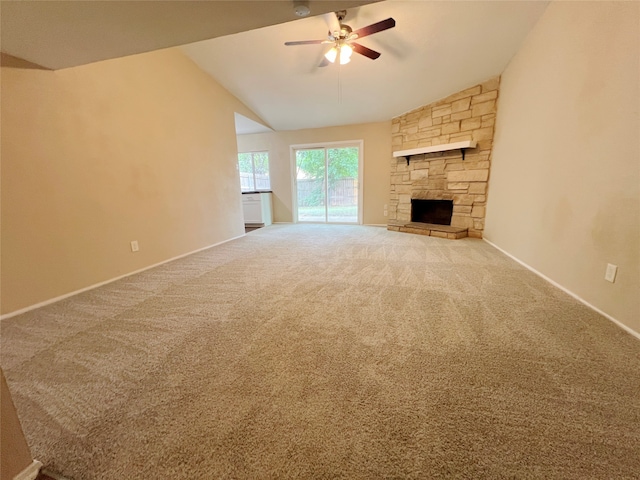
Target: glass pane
310,175
343,185
246,172
261,165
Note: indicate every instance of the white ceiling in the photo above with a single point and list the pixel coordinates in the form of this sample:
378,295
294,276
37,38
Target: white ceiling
437,48
66,33
246,126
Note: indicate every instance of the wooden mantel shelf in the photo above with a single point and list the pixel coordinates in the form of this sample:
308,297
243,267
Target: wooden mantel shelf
436,148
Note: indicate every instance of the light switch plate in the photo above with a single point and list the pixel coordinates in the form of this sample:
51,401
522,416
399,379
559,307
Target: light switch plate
610,275
134,246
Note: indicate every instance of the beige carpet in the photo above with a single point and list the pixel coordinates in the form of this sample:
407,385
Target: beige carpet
327,352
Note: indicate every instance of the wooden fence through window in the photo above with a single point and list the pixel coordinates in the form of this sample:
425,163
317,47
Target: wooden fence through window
342,192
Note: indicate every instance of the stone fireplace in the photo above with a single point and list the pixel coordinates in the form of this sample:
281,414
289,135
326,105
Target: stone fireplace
444,178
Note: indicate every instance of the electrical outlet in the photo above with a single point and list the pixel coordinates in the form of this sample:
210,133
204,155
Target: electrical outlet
134,246
610,275
386,212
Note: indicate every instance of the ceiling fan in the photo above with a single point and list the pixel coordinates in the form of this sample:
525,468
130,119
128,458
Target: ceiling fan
342,38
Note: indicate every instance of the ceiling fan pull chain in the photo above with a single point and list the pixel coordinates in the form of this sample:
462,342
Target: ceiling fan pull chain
339,84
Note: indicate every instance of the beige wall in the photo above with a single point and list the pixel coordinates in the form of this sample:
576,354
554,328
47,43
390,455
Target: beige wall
564,191
139,148
377,151
14,452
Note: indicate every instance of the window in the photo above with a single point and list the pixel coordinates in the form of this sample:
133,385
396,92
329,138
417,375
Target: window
254,171
327,182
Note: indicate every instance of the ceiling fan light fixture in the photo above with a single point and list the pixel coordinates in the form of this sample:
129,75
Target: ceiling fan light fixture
340,52
345,54
332,54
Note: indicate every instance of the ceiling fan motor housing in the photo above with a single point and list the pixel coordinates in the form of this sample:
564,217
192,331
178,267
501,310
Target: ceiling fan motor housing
345,31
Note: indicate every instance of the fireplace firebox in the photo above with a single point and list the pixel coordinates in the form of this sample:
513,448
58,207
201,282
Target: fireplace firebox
432,211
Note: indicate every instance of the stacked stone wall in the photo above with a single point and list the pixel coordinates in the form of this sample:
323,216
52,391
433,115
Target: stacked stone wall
466,115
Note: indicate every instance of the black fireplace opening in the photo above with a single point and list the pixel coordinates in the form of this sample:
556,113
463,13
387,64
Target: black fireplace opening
432,211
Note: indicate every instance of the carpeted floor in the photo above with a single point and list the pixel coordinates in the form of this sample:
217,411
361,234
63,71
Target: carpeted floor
327,352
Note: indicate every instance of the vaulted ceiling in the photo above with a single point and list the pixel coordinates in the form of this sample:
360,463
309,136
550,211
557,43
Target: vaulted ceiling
436,48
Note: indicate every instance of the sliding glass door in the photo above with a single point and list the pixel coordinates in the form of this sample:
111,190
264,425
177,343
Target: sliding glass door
327,184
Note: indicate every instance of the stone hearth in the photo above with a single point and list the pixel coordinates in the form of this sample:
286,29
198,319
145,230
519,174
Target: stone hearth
431,229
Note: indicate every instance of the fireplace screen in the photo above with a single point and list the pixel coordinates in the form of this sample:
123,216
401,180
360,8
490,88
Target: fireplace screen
432,211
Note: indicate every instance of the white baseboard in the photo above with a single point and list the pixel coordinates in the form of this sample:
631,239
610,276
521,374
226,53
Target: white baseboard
333,223
100,284
54,475
568,292
29,473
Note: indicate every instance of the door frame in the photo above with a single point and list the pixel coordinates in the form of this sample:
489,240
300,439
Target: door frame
308,146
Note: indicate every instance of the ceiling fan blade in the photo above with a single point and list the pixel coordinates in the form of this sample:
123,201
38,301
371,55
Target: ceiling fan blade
305,42
376,27
332,22
367,52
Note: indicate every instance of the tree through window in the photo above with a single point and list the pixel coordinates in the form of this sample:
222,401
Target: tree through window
254,171
327,182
